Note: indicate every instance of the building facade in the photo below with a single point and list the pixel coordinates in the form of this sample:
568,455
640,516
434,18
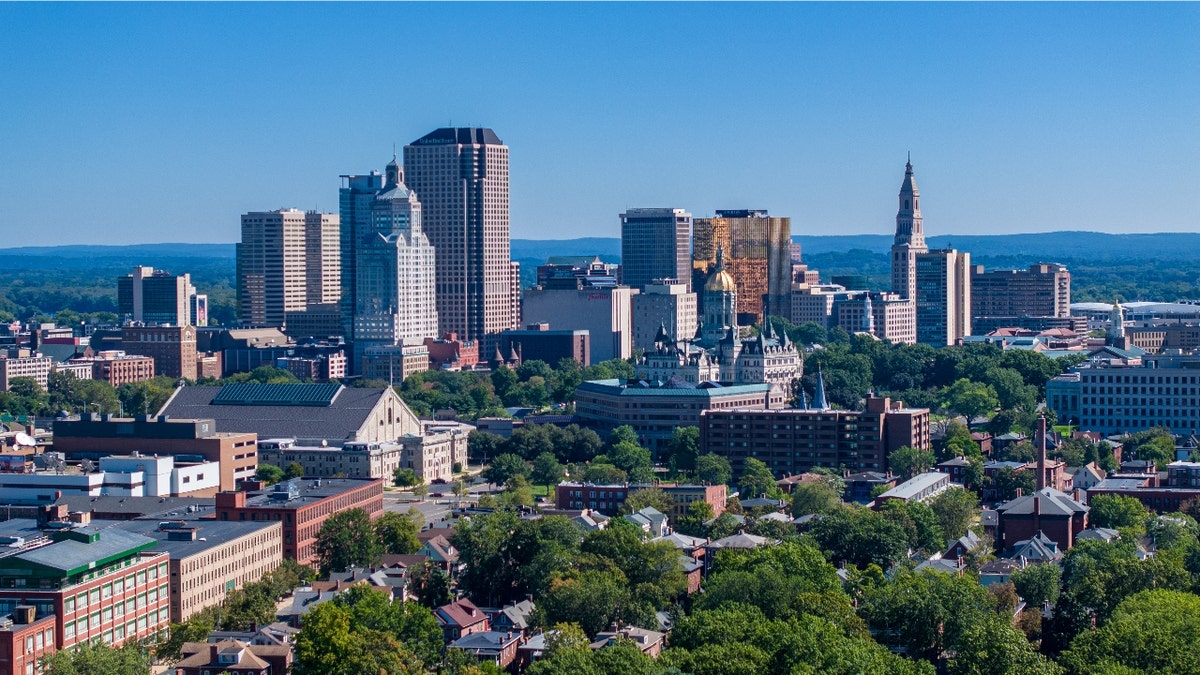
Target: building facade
173,348
1043,290
151,296
606,313
757,250
538,342
656,244
302,506
609,498
394,298
943,297
663,303
461,177
208,559
1113,396
274,272
654,410
95,437
100,585
35,366
793,441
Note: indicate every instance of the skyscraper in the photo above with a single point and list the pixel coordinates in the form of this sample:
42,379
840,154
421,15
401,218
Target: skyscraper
273,266
394,270
943,295
154,297
655,245
758,256
461,178
910,237
355,199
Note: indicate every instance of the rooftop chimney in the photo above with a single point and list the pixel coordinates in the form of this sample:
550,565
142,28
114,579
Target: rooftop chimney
1041,461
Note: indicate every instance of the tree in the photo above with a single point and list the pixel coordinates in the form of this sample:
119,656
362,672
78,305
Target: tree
547,470
594,600
1011,389
430,584
331,643
1038,584
648,497
814,497
269,473
633,459
693,524
294,470
908,461
89,658
482,445
397,532
504,467
1117,511
622,434
992,646
683,449
713,469
347,539
604,473
1008,481
757,479
517,493
405,477
861,537
970,399
955,510
1150,632
925,612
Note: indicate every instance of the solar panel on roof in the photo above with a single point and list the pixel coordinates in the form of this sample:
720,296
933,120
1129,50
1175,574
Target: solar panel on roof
313,395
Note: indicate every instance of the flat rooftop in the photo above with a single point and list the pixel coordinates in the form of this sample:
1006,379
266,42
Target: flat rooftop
209,533
308,491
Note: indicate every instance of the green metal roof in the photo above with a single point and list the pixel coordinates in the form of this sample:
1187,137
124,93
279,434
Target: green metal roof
633,388
313,395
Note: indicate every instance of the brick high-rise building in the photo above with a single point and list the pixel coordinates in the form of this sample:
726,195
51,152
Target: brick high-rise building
656,244
276,273
155,297
758,255
793,441
1042,290
461,178
173,348
909,241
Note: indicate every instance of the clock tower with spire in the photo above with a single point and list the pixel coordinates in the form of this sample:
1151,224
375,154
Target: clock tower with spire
910,237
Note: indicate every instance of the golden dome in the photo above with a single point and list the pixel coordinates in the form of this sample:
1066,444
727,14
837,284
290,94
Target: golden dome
720,281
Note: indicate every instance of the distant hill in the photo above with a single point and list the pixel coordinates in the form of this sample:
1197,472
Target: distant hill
1045,246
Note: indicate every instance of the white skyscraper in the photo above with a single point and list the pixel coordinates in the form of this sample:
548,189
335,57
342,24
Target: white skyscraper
395,297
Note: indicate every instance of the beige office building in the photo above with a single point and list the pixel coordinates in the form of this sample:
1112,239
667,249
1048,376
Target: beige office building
663,304
211,558
461,177
286,261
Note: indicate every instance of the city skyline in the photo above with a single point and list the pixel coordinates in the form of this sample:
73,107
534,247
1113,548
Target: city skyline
1020,118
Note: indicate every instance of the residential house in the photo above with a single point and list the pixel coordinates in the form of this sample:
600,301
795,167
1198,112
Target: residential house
490,645
460,618
233,656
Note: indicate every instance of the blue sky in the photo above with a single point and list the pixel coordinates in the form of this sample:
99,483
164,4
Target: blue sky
128,123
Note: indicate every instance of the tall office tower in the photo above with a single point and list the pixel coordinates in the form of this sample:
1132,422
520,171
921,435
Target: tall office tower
656,245
758,255
355,199
395,294
461,176
273,264
154,297
943,295
910,237
322,261
1044,290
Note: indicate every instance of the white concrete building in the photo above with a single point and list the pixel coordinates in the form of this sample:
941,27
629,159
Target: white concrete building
663,304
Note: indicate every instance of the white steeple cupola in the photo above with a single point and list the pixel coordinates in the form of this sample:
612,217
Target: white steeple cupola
910,227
